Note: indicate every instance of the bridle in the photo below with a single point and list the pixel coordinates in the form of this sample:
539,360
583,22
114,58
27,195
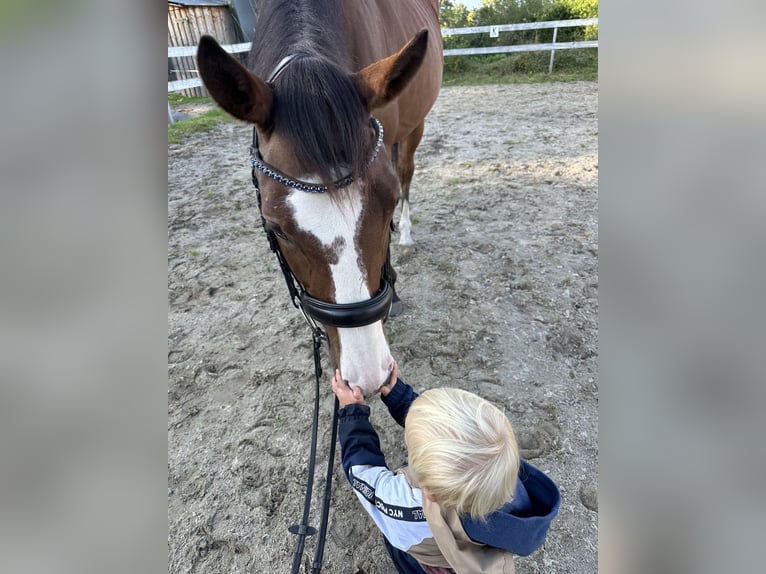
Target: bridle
316,313
269,170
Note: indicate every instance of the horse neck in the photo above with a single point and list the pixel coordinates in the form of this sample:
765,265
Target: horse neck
306,27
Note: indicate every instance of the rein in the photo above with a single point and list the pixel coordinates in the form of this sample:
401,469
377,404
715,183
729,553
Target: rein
317,312
297,294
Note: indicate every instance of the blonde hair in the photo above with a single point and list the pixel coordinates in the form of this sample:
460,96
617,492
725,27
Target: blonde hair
462,450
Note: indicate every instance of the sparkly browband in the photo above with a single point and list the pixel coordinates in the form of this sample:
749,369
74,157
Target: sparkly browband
272,172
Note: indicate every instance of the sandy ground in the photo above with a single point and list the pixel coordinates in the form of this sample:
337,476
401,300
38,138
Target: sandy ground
501,299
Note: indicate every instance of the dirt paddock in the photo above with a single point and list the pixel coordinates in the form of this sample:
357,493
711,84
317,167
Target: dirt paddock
500,294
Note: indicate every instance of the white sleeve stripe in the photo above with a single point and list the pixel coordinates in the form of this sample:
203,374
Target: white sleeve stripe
405,513
392,503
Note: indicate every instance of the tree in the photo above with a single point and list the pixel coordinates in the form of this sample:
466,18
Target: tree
573,10
454,14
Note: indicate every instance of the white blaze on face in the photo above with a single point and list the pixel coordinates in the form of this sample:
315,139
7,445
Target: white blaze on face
365,359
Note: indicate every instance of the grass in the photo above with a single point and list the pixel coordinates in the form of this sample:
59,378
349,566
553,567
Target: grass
523,68
203,123
177,99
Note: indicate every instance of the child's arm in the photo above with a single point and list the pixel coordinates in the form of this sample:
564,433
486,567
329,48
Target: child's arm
355,428
388,498
397,396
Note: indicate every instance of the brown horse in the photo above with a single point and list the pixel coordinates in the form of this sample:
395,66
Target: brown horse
323,77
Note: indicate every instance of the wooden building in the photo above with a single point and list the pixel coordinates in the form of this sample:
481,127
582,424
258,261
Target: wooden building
188,20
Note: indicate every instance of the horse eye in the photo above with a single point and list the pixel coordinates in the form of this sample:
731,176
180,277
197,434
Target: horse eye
276,230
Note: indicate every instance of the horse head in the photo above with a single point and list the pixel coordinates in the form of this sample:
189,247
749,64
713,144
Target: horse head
328,187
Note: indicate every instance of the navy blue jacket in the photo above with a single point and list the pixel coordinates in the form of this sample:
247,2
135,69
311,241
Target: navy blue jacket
519,527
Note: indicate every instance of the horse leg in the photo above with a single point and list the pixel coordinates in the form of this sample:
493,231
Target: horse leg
405,167
403,158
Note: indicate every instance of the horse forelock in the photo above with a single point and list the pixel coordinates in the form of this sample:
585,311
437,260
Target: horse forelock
317,109
318,112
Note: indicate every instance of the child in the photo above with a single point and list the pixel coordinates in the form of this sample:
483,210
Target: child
466,503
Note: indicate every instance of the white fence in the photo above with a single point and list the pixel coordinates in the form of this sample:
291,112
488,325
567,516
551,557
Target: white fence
180,51
493,31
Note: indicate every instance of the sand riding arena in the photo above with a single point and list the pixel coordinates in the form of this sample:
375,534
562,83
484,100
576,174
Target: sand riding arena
500,294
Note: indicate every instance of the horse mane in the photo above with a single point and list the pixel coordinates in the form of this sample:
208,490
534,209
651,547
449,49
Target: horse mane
317,108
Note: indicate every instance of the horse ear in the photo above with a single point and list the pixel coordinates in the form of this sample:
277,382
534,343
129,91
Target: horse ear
238,91
381,82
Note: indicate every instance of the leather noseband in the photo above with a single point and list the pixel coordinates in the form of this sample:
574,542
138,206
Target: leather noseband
350,315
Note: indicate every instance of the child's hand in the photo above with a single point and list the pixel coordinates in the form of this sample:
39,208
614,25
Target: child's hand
346,395
386,388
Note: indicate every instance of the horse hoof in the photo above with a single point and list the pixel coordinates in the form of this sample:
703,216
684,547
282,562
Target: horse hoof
396,308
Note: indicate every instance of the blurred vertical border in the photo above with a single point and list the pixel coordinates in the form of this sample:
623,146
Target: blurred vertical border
83,291
682,205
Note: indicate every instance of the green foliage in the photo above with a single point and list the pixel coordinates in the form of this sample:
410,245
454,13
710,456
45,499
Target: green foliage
454,15
510,11
573,10
525,67
529,66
